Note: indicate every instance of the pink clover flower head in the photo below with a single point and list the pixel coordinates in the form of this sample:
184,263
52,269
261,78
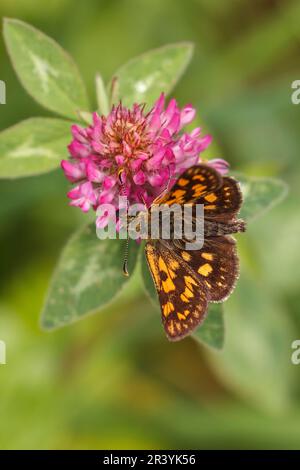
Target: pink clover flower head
133,153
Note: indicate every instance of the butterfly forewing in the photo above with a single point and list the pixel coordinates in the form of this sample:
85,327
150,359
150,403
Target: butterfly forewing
224,203
195,182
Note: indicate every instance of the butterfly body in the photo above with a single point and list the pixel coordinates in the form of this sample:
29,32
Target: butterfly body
186,280
214,229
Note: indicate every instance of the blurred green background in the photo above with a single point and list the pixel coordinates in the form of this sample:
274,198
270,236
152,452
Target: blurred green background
113,380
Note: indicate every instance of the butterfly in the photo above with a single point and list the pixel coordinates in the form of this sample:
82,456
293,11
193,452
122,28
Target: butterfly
186,281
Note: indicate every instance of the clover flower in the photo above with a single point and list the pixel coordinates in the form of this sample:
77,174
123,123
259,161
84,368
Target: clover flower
134,153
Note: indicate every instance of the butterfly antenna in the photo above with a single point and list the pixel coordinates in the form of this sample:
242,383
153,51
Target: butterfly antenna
125,264
126,251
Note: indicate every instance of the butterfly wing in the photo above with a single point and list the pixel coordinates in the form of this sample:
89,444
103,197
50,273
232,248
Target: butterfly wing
224,203
201,184
182,294
187,280
195,182
216,265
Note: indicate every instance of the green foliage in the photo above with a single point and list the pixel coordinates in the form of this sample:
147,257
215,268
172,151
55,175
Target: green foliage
144,78
212,332
257,339
102,97
88,276
32,147
113,381
45,70
260,195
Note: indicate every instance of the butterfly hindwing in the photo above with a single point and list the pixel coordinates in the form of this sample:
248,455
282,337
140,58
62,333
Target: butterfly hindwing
182,295
216,265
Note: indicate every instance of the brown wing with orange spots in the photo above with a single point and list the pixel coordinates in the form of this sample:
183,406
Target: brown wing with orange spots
182,293
201,184
224,203
187,280
194,183
216,264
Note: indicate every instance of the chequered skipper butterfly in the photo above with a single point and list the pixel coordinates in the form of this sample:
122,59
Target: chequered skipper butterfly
186,281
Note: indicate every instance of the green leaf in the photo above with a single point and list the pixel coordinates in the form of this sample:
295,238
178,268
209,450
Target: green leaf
256,360
260,195
45,70
211,332
88,277
145,77
33,147
102,98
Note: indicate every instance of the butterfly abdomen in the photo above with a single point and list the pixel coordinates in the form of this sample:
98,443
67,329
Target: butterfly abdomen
214,229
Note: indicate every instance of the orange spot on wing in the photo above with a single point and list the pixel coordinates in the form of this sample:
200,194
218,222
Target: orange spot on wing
211,197
153,268
178,193
186,256
167,285
168,308
207,256
205,269
199,177
180,316
183,182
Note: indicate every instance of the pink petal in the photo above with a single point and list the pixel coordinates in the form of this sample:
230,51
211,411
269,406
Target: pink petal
79,134
127,149
106,196
169,112
73,171
174,124
98,147
78,150
195,133
142,155
155,179
103,219
93,173
159,104
119,159
136,164
109,182
82,196
139,178
187,115
220,165
155,162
